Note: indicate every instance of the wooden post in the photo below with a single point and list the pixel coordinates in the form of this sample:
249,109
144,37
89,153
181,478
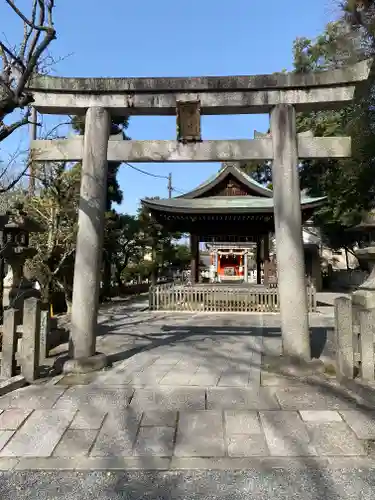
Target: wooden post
258,259
344,337
194,249
266,257
9,343
245,267
31,339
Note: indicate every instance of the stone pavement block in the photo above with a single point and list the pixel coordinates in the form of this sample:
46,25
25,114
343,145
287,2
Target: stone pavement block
95,399
270,379
349,462
135,363
177,376
286,434
8,463
273,346
149,376
12,419
185,364
32,398
154,441
234,379
39,435
75,443
165,398
247,445
242,422
141,360
320,416
159,418
262,464
314,398
204,379
200,434
112,379
332,439
4,438
167,361
254,377
117,435
86,419
241,398
87,463
363,424
48,464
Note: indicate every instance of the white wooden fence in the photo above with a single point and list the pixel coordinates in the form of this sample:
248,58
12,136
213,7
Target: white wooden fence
224,298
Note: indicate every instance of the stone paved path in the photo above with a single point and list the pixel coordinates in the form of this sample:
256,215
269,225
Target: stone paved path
189,392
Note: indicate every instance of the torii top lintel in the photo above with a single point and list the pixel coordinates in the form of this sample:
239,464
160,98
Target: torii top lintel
217,94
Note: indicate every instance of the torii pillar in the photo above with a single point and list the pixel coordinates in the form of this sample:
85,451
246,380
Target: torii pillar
89,245
288,231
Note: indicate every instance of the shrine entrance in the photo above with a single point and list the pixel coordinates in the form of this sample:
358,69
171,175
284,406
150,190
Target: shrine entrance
236,225
280,95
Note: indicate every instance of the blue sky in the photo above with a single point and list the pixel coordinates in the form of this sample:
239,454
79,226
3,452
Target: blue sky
170,38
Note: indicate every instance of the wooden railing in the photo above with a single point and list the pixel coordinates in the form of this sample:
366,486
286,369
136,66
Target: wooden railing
224,298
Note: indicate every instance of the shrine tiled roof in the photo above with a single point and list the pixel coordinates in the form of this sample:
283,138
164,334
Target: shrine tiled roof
229,169
224,204
199,201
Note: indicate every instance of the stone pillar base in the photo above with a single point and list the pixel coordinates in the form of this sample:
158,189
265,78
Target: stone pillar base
293,367
85,365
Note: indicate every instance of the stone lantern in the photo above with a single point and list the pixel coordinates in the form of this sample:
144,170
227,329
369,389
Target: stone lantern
365,295
15,229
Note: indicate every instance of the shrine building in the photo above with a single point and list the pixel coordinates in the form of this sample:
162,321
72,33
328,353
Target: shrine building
234,215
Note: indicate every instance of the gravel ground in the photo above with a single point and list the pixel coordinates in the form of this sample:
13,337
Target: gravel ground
288,484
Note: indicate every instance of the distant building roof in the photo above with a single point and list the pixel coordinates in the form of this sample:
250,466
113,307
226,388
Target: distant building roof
200,200
224,204
229,169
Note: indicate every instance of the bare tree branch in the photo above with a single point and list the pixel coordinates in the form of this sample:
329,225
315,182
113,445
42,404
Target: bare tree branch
25,19
16,179
28,31
19,61
18,66
7,130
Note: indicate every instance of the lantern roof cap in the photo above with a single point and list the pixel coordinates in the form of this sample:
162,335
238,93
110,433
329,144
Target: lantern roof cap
14,217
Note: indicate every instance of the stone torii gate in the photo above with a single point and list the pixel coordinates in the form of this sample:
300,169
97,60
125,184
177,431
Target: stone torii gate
280,95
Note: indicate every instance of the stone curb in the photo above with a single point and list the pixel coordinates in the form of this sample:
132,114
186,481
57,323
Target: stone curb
12,384
191,463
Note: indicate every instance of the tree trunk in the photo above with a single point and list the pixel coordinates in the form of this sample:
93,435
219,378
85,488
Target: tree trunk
68,294
118,278
45,292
